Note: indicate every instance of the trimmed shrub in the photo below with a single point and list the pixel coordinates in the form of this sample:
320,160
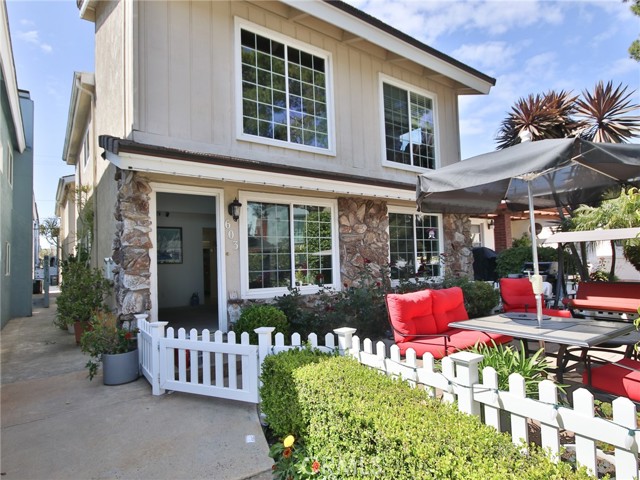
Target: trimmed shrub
365,425
256,316
278,392
480,298
512,259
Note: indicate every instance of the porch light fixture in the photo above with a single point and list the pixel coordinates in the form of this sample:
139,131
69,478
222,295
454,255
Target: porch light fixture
234,209
491,224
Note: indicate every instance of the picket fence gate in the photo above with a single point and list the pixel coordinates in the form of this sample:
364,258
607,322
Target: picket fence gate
458,381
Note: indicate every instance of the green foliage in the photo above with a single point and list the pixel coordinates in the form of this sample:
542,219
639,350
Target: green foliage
507,360
256,316
106,335
360,306
480,298
278,392
363,425
512,259
291,460
82,292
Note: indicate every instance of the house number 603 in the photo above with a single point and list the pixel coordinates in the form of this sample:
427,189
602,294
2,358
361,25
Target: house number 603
230,234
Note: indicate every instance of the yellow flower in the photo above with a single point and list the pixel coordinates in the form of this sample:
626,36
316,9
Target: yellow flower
288,442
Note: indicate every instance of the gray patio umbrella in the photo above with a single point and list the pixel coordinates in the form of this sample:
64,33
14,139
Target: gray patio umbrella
541,174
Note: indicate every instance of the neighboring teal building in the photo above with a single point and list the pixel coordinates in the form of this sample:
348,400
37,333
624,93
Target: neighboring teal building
16,187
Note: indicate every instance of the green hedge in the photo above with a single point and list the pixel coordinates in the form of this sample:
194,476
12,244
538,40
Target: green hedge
365,425
278,392
256,316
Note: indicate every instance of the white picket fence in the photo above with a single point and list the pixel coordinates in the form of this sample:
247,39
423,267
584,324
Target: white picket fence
199,363
458,381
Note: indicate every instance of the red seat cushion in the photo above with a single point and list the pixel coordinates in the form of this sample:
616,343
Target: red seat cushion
448,306
458,340
615,379
411,314
616,296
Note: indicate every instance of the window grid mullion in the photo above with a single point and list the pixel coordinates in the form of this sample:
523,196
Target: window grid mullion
286,89
415,243
410,135
292,244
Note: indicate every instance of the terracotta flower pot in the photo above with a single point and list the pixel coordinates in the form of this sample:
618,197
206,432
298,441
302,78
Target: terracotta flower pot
79,328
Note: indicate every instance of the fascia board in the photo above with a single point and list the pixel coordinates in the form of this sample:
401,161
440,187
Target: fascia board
9,74
160,165
326,12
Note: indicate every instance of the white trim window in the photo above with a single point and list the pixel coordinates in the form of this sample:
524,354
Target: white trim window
7,259
409,126
10,166
415,244
85,150
284,92
289,242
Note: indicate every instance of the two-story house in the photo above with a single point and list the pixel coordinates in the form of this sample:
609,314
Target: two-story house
252,146
18,215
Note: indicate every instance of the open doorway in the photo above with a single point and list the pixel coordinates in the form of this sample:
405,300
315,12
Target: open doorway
187,272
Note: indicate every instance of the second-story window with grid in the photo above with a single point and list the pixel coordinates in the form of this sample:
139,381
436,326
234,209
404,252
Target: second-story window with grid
409,127
284,92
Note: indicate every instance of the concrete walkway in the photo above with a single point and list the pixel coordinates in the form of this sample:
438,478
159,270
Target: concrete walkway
56,424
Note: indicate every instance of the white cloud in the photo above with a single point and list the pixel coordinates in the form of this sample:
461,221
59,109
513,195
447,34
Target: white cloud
33,37
488,55
27,23
620,67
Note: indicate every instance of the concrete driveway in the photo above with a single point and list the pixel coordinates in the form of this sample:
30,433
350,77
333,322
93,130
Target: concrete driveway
56,424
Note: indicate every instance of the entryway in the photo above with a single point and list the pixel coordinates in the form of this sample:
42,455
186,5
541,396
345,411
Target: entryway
186,243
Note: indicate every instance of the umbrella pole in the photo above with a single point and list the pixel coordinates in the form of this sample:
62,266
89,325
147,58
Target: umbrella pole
535,279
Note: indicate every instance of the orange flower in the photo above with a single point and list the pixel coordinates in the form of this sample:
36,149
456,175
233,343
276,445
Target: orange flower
315,466
286,453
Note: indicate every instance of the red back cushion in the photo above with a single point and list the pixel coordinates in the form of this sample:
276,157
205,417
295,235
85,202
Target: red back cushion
517,294
448,306
411,314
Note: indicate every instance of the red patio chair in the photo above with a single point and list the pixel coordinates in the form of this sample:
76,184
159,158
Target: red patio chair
621,378
517,296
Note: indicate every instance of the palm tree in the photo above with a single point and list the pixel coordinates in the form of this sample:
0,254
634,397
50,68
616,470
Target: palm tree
620,212
539,117
603,114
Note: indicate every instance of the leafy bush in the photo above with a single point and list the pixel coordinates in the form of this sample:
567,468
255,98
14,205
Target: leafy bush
82,292
507,360
512,259
361,424
278,392
480,298
256,316
360,306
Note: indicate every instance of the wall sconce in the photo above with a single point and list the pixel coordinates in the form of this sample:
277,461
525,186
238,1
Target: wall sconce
234,209
491,224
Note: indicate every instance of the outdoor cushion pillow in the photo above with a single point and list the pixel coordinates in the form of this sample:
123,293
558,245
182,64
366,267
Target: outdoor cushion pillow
448,306
411,314
615,378
517,295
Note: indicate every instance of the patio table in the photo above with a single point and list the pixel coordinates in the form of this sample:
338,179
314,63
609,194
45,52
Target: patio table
566,332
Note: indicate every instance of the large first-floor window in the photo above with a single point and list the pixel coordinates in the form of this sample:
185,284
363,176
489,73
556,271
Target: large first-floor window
290,242
415,245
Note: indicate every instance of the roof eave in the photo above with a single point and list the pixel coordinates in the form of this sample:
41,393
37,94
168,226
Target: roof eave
79,109
379,33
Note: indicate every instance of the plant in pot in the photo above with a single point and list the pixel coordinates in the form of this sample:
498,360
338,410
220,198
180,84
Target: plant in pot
82,293
113,343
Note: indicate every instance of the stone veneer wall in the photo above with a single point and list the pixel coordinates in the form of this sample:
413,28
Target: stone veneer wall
131,244
458,245
364,236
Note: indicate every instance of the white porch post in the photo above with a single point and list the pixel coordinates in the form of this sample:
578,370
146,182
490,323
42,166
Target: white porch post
265,342
345,337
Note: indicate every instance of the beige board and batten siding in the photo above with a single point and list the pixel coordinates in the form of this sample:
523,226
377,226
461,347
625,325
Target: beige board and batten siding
186,87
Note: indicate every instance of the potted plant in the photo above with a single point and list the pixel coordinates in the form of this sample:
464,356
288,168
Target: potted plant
113,343
82,293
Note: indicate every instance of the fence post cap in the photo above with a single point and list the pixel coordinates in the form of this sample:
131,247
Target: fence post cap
261,330
466,358
345,330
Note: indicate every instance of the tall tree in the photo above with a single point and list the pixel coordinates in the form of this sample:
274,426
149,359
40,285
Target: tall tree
634,48
604,115
539,117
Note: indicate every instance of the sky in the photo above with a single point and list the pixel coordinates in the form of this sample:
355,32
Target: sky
529,47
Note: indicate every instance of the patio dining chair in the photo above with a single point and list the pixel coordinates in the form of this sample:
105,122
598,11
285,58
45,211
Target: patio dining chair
517,296
621,378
